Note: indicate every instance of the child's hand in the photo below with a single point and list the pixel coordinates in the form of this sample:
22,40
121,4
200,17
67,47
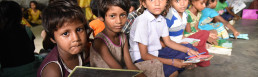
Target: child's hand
195,43
179,63
236,33
192,52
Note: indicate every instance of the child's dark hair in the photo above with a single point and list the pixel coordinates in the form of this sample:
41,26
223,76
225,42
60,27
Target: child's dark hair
94,5
208,2
36,4
105,4
135,3
222,1
10,14
60,12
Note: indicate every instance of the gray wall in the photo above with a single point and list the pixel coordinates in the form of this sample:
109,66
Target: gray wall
25,3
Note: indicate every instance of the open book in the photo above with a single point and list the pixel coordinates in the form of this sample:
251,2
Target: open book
201,58
83,71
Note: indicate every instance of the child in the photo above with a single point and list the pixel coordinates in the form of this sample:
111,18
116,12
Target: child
66,26
145,44
207,16
17,48
97,24
34,14
177,20
225,11
110,47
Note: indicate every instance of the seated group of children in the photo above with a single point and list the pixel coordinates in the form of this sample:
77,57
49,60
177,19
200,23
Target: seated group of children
154,44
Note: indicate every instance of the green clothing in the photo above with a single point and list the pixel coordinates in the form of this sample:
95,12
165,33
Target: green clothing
193,20
221,6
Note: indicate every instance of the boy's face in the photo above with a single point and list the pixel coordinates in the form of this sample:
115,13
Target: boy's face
70,38
156,7
199,5
115,18
180,5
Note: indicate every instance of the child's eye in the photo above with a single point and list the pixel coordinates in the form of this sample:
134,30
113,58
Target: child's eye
65,34
112,16
152,0
123,15
79,29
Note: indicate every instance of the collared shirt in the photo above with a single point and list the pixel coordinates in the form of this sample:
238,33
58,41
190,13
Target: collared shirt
147,30
176,24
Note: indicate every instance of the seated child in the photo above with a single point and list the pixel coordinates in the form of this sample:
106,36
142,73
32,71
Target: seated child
97,24
66,26
34,14
177,20
145,34
225,10
194,15
17,47
206,23
110,47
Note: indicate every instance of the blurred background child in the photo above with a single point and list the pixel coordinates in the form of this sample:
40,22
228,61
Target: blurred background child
208,14
17,47
34,14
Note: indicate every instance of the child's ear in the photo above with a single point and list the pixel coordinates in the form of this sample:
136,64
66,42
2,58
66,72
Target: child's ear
52,40
144,4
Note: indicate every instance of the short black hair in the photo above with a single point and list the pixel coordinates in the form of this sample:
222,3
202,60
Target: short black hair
105,4
60,12
135,3
10,14
36,4
94,5
208,2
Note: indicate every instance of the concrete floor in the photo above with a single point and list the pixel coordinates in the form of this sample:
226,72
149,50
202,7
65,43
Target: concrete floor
243,61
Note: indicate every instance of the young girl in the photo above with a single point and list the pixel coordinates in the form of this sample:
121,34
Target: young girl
34,14
110,47
66,26
207,16
177,20
145,44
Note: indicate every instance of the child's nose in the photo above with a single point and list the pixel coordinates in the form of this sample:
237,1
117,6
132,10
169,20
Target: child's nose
75,37
118,20
157,2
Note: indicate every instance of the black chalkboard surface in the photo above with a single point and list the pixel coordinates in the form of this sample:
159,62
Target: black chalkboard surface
83,71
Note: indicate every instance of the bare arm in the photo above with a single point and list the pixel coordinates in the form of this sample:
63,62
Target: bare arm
196,26
231,13
174,45
188,28
235,32
103,50
51,70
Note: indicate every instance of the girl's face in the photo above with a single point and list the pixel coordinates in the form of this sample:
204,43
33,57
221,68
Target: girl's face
70,38
115,19
212,5
156,7
199,4
180,5
32,5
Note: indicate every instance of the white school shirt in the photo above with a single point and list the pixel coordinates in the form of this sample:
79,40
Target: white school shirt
147,30
175,24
